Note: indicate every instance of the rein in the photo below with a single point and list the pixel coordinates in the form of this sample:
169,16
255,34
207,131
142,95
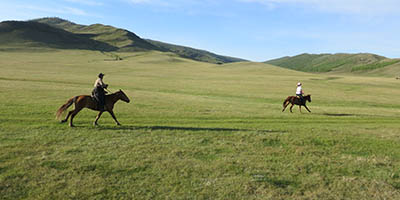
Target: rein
108,90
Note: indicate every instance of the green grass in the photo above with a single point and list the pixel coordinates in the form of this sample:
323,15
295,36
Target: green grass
194,131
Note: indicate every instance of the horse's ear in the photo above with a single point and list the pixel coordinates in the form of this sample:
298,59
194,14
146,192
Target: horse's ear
120,90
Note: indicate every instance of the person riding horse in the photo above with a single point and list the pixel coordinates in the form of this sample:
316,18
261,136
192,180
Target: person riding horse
299,92
98,92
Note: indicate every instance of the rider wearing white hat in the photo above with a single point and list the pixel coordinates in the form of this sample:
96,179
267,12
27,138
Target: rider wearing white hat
299,91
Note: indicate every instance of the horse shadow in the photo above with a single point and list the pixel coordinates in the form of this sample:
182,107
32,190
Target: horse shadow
338,114
182,128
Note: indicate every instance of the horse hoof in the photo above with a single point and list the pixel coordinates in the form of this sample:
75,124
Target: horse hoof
63,121
118,124
71,125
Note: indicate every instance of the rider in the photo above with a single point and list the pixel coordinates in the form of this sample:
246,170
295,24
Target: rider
299,91
98,91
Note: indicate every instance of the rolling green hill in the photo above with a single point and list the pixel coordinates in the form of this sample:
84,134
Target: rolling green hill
127,41
195,54
34,34
354,63
122,39
60,23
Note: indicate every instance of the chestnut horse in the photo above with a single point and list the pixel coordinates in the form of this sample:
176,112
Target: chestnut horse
296,100
86,101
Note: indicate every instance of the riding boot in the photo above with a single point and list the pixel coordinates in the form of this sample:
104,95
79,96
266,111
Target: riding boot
101,101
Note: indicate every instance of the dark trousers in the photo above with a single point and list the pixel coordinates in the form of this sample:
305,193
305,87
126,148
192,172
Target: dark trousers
301,97
99,94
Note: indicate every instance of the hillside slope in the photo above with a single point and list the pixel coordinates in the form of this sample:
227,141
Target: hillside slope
195,54
125,40
60,23
122,39
354,63
34,34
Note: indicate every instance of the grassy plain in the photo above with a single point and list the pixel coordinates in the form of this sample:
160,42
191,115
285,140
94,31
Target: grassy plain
194,131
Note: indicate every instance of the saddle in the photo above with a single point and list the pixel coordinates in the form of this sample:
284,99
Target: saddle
94,98
300,100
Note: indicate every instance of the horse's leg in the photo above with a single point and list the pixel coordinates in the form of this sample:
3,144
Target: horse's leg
74,112
66,118
300,108
291,108
97,118
307,108
285,105
113,116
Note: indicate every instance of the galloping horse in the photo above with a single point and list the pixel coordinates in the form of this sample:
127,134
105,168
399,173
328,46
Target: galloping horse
86,101
296,100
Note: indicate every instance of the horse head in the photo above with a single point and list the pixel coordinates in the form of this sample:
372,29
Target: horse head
308,97
123,96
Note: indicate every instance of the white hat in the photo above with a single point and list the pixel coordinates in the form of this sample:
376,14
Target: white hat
298,84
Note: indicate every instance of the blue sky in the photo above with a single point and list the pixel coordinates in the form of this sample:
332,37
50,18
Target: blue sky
257,30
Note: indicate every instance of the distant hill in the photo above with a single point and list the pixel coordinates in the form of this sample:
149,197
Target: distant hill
194,54
60,23
125,40
355,63
34,34
122,39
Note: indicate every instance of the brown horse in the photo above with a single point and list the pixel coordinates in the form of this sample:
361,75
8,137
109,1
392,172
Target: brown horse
86,101
296,100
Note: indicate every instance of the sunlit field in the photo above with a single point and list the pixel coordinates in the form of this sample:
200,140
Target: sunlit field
194,130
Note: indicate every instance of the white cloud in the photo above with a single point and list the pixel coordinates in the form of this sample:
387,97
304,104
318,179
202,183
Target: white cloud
174,3
15,11
74,11
367,7
149,2
86,2
140,1
188,7
59,10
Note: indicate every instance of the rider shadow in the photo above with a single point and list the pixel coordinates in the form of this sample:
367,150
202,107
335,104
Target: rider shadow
179,128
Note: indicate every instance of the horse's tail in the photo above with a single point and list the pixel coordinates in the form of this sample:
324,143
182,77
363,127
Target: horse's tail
286,100
64,107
